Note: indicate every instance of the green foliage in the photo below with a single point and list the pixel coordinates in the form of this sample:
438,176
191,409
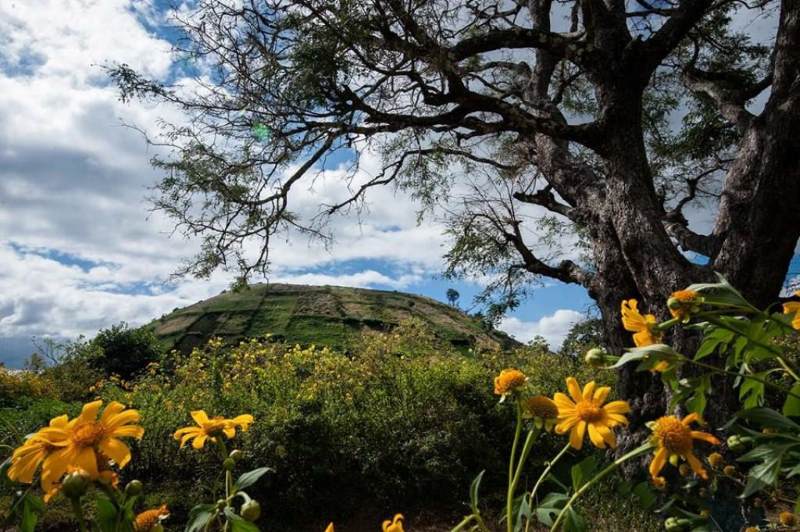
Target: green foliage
123,351
402,418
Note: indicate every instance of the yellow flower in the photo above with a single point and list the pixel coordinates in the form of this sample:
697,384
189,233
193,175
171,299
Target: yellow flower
148,519
86,443
787,519
586,409
659,483
542,410
395,525
683,303
508,381
642,326
211,428
674,438
329,528
792,307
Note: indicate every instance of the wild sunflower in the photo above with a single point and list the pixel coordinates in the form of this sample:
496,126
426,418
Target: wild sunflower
395,525
793,307
542,410
85,443
210,428
683,303
26,459
509,380
674,437
643,327
149,519
586,409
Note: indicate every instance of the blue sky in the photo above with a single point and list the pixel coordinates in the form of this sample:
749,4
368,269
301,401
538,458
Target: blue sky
81,249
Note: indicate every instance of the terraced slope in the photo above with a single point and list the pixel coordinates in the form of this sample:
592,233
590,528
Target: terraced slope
322,315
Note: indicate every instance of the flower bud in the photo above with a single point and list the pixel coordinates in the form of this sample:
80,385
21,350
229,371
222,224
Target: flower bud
229,464
674,459
221,504
729,470
715,459
676,524
737,443
134,487
684,470
596,357
75,484
236,455
251,510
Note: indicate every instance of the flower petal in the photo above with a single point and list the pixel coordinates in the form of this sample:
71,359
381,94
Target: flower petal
617,407
595,437
574,389
116,450
588,391
601,394
576,435
658,461
704,436
696,466
199,417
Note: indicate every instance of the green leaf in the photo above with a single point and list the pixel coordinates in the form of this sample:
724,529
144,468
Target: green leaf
631,356
106,515
721,293
583,471
550,507
239,523
645,495
250,478
765,473
32,508
200,516
791,407
697,401
716,338
473,491
766,417
573,521
751,392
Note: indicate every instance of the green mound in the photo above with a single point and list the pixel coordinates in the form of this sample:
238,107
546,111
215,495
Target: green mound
322,315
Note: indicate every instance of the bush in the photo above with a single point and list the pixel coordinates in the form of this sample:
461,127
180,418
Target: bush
123,351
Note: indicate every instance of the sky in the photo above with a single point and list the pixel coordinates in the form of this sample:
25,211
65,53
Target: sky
81,248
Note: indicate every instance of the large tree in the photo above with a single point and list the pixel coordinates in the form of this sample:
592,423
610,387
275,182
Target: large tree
602,122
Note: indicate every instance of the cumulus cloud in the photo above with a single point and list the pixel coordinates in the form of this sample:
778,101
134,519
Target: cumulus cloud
553,328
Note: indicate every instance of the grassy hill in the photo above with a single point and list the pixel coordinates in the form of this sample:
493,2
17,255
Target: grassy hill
322,315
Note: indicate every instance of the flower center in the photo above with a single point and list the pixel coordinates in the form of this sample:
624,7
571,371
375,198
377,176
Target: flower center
588,411
674,435
87,434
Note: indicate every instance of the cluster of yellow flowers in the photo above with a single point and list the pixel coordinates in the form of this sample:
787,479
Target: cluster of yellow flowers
585,411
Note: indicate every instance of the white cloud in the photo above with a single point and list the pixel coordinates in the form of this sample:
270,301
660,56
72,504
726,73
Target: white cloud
553,328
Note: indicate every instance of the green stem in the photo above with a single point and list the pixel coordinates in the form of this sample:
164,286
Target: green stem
464,522
511,470
77,509
543,476
601,475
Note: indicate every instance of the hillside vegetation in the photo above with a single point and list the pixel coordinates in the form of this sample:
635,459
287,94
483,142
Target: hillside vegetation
324,315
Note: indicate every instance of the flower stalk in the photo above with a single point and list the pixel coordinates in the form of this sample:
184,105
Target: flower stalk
598,477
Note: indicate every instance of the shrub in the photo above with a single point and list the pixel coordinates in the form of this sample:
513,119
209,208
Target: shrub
123,351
